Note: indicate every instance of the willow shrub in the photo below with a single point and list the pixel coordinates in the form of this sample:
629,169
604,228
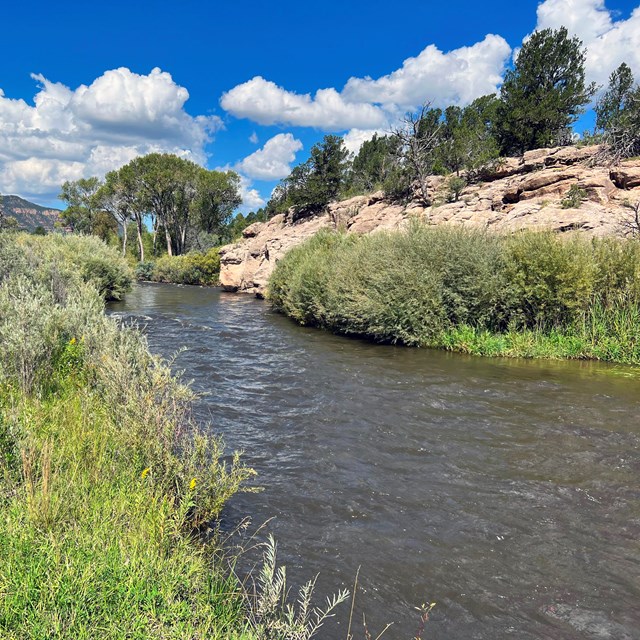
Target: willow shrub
468,290
395,287
195,267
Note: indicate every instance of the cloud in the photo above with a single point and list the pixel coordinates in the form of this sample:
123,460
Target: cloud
609,42
273,161
71,133
458,76
266,103
253,138
354,138
251,198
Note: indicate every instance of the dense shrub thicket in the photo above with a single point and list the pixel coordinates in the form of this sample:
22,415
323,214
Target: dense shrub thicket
59,260
194,267
469,290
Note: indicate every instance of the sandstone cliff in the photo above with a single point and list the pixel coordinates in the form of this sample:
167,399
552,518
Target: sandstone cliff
522,193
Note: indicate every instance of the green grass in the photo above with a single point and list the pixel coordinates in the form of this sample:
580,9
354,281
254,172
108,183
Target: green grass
91,549
106,481
109,492
534,295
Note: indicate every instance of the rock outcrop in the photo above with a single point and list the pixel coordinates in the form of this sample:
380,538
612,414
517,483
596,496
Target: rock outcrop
27,214
520,193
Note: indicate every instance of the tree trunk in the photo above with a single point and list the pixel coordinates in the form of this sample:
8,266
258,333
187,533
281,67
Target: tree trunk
124,238
168,236
140,244
155,235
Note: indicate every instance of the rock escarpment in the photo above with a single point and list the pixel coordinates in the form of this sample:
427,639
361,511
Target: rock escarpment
27,214
520,193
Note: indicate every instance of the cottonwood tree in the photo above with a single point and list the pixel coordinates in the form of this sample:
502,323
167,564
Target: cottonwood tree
82,207
544,93
112,198
177,195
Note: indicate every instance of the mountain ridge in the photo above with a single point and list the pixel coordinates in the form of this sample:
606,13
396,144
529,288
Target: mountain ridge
29,215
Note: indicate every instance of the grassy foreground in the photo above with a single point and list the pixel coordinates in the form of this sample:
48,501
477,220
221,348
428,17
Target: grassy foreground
526,295
106,484
104,480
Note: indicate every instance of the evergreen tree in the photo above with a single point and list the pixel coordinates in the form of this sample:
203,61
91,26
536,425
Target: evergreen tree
545,92
613,102
373,163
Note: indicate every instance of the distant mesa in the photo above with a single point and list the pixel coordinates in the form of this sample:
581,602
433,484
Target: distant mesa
29,215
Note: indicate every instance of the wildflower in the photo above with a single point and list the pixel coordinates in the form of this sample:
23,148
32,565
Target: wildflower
72,341
145,473
192,484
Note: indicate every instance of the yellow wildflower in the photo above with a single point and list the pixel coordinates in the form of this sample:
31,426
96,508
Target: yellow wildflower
72,341
192,484
145,473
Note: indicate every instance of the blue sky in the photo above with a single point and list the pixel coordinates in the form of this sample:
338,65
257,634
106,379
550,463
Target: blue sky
80,95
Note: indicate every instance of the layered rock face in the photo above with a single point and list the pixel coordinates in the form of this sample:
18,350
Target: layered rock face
521,193
28,214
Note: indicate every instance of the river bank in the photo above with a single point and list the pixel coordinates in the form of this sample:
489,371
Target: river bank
533,295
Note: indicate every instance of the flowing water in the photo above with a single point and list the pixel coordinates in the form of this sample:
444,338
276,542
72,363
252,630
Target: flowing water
507,491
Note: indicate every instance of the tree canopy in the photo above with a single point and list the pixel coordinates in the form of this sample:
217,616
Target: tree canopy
178,197
545,92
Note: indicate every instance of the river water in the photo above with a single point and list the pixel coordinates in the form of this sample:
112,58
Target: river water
506,491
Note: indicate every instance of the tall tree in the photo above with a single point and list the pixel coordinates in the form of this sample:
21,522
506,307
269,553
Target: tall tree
618,115
113,198
611,105
373,163
419,136
545,92
79,196
316,182
217,197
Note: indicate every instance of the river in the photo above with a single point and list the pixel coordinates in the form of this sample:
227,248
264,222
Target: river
506,491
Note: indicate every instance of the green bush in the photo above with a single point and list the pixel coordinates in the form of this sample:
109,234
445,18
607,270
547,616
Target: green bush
531,294
144,271
105,480
74,258
192,268
396,287
574,198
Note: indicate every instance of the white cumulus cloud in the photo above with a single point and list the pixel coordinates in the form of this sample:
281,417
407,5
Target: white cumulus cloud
609,42
355,138
273,161
457,76
72,133
251,198
266,103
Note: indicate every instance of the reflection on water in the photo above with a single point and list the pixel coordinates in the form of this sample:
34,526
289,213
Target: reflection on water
507,491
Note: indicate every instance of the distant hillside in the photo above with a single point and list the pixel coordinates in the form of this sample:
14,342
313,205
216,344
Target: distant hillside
28,214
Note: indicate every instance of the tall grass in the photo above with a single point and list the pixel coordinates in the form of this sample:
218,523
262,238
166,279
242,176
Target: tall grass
533,294
108,489
105,479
